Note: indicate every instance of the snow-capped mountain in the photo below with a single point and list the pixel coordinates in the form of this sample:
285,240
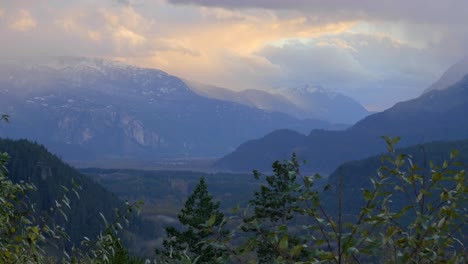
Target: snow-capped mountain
317,102
86,108
302,102
83,73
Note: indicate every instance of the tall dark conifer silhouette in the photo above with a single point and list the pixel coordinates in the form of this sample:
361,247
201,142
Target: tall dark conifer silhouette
198,210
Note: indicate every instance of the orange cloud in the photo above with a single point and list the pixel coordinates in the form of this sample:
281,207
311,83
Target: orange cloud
203,50
23,22
226,46
123,34
126,29
200,43
94,35
71,24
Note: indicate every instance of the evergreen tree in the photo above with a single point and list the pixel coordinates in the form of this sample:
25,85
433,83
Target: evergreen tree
199,210
411,214
275,207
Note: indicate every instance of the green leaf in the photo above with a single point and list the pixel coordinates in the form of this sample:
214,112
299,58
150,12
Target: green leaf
283,244
235,210
367,195
352,250
103,219
445,165
454,154
211,221
297,249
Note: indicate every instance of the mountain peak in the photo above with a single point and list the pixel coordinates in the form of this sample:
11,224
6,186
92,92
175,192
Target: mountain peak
438,115
325,103
91,74
80,63
301,101
307,89
91,109
454,74
75,64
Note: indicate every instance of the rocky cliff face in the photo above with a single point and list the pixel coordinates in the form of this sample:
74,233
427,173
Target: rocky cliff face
85,108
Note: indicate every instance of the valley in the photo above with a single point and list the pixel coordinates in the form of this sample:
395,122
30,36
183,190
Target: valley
120,134
222,132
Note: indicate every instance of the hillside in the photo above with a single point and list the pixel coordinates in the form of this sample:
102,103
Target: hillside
436,115
356,175
31,162
454,74
94,109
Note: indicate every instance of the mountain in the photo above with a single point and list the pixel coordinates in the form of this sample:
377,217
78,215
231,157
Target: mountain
454,74
251,97
30,162
436,115
318,102
95,109
356,175
301,102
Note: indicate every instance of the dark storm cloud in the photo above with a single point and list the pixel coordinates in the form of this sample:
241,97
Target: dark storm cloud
447,11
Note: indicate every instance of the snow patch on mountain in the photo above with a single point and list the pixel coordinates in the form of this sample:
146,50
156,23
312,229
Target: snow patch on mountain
306,89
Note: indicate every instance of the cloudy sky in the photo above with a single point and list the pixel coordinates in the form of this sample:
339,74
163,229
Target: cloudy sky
377,51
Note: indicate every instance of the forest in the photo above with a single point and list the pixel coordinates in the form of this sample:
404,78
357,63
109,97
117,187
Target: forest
412,210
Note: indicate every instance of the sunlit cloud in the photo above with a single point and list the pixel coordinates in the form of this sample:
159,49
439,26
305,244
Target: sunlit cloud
379,52
71,24
123,34
23,21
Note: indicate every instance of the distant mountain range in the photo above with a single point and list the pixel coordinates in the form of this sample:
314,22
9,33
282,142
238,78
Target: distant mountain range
299,101
455,73
436,115
94,109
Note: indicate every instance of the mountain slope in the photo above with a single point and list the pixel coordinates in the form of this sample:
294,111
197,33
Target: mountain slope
436,115
31,162
356,175
454,74
92,109
271,102
253,98
317,102
301,102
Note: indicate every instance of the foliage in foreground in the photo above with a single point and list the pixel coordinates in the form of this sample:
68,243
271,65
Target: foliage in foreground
192,243
28,238
410,215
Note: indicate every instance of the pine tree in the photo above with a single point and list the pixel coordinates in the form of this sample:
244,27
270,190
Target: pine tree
191,242
276,206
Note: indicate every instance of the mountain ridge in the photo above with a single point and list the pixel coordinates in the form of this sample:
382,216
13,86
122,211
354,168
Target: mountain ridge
86,109
436,115
302,102
452,75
